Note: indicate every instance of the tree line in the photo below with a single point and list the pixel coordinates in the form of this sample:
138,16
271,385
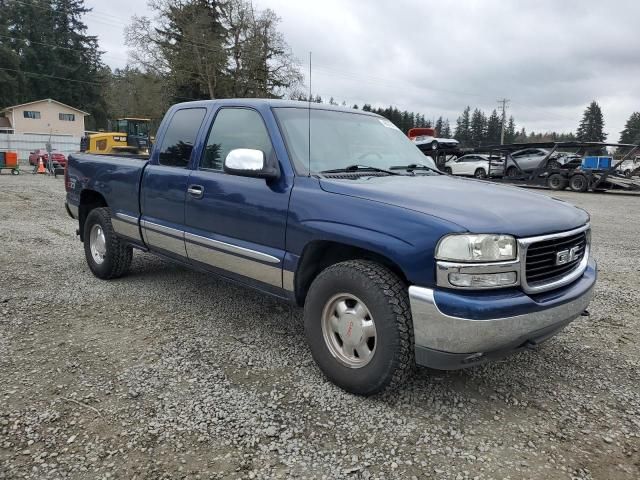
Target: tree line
200,49
188,50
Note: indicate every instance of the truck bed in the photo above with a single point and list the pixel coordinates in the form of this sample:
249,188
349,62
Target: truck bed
116,178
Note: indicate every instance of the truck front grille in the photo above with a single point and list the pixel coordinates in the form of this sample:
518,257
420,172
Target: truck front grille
550,260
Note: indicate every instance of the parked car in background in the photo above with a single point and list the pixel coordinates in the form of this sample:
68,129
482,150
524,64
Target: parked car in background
58,159
476,165
426,140
629,167
529,159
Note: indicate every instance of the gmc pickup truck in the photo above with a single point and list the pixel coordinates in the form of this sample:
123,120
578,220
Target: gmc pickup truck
335,210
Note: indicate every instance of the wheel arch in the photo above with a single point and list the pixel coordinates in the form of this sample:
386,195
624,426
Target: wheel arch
89,200
320,254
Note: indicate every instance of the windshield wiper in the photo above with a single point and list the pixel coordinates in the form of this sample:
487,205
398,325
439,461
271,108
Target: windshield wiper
415,166
356,167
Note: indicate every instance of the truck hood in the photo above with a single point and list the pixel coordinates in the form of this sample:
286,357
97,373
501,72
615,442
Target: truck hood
478,206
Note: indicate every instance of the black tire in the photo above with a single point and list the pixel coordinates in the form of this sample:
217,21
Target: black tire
434,145
555,164
627,173
579,183
480,173
512,171
118,255
386,298
557,182
15,171
448,170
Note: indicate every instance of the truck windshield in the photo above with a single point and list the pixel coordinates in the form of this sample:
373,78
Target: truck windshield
340,139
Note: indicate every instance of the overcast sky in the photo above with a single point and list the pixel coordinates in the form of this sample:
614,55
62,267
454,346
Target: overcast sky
549,57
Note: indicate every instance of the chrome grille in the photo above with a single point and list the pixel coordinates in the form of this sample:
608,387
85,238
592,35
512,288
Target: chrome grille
541,264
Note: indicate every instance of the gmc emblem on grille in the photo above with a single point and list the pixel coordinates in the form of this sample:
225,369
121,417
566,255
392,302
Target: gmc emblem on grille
566,256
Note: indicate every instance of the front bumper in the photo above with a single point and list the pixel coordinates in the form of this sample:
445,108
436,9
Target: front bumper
446,341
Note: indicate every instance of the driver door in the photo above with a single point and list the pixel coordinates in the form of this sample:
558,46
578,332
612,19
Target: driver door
234,225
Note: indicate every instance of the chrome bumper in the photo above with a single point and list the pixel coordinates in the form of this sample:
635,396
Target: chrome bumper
465,340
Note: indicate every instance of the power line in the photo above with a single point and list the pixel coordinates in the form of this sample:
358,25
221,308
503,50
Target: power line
504,104
52,76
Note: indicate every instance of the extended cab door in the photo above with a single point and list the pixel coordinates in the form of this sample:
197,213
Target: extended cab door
236,225
164,184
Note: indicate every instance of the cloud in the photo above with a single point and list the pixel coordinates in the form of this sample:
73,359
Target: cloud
550,58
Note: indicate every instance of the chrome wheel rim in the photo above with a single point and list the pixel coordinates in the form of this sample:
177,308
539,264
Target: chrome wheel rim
97,244
349,330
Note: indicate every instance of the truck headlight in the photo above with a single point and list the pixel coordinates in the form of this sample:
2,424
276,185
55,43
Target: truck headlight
477,248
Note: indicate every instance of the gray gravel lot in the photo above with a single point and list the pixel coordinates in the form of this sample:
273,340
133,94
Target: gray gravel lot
168,373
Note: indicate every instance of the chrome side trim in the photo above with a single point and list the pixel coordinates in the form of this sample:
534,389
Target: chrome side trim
126,226
127,218
287,280
523,245
73,210
443,269
438,331
269,274
161,228
245,252
166,238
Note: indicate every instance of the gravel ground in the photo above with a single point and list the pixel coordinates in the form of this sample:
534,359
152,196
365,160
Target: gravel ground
173,374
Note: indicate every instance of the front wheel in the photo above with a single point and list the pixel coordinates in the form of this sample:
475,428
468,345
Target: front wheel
448,170
434,145
556,182
358,326
107,256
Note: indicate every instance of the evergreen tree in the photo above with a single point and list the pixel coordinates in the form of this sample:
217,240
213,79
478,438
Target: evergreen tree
631,131
463,128
494,128
510,131
478,127
54,55
11,80
446,130
592,125
438,126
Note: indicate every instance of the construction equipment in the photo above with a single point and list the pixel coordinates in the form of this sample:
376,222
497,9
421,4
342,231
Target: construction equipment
126,135
9,161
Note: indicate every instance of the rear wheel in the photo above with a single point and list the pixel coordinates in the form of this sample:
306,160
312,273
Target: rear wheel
579,183
448,170
358,326
434,145
512,171
627,173
107,256
480,173
556,182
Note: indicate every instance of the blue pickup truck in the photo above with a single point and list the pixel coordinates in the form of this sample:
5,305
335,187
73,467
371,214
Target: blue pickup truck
335,210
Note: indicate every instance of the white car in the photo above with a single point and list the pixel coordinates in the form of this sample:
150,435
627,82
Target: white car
475,165
629,166
427,142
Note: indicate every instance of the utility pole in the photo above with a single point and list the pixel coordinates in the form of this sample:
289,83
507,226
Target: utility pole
504,104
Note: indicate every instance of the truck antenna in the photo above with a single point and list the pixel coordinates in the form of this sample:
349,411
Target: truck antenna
309,116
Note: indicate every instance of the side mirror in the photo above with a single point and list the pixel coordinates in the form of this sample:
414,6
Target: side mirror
247,162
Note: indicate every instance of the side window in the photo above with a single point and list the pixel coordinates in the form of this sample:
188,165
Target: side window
180,136
234,128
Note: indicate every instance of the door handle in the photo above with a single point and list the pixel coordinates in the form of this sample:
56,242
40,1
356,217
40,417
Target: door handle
195,191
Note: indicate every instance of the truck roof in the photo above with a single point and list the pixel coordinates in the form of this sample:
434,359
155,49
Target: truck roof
273,103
